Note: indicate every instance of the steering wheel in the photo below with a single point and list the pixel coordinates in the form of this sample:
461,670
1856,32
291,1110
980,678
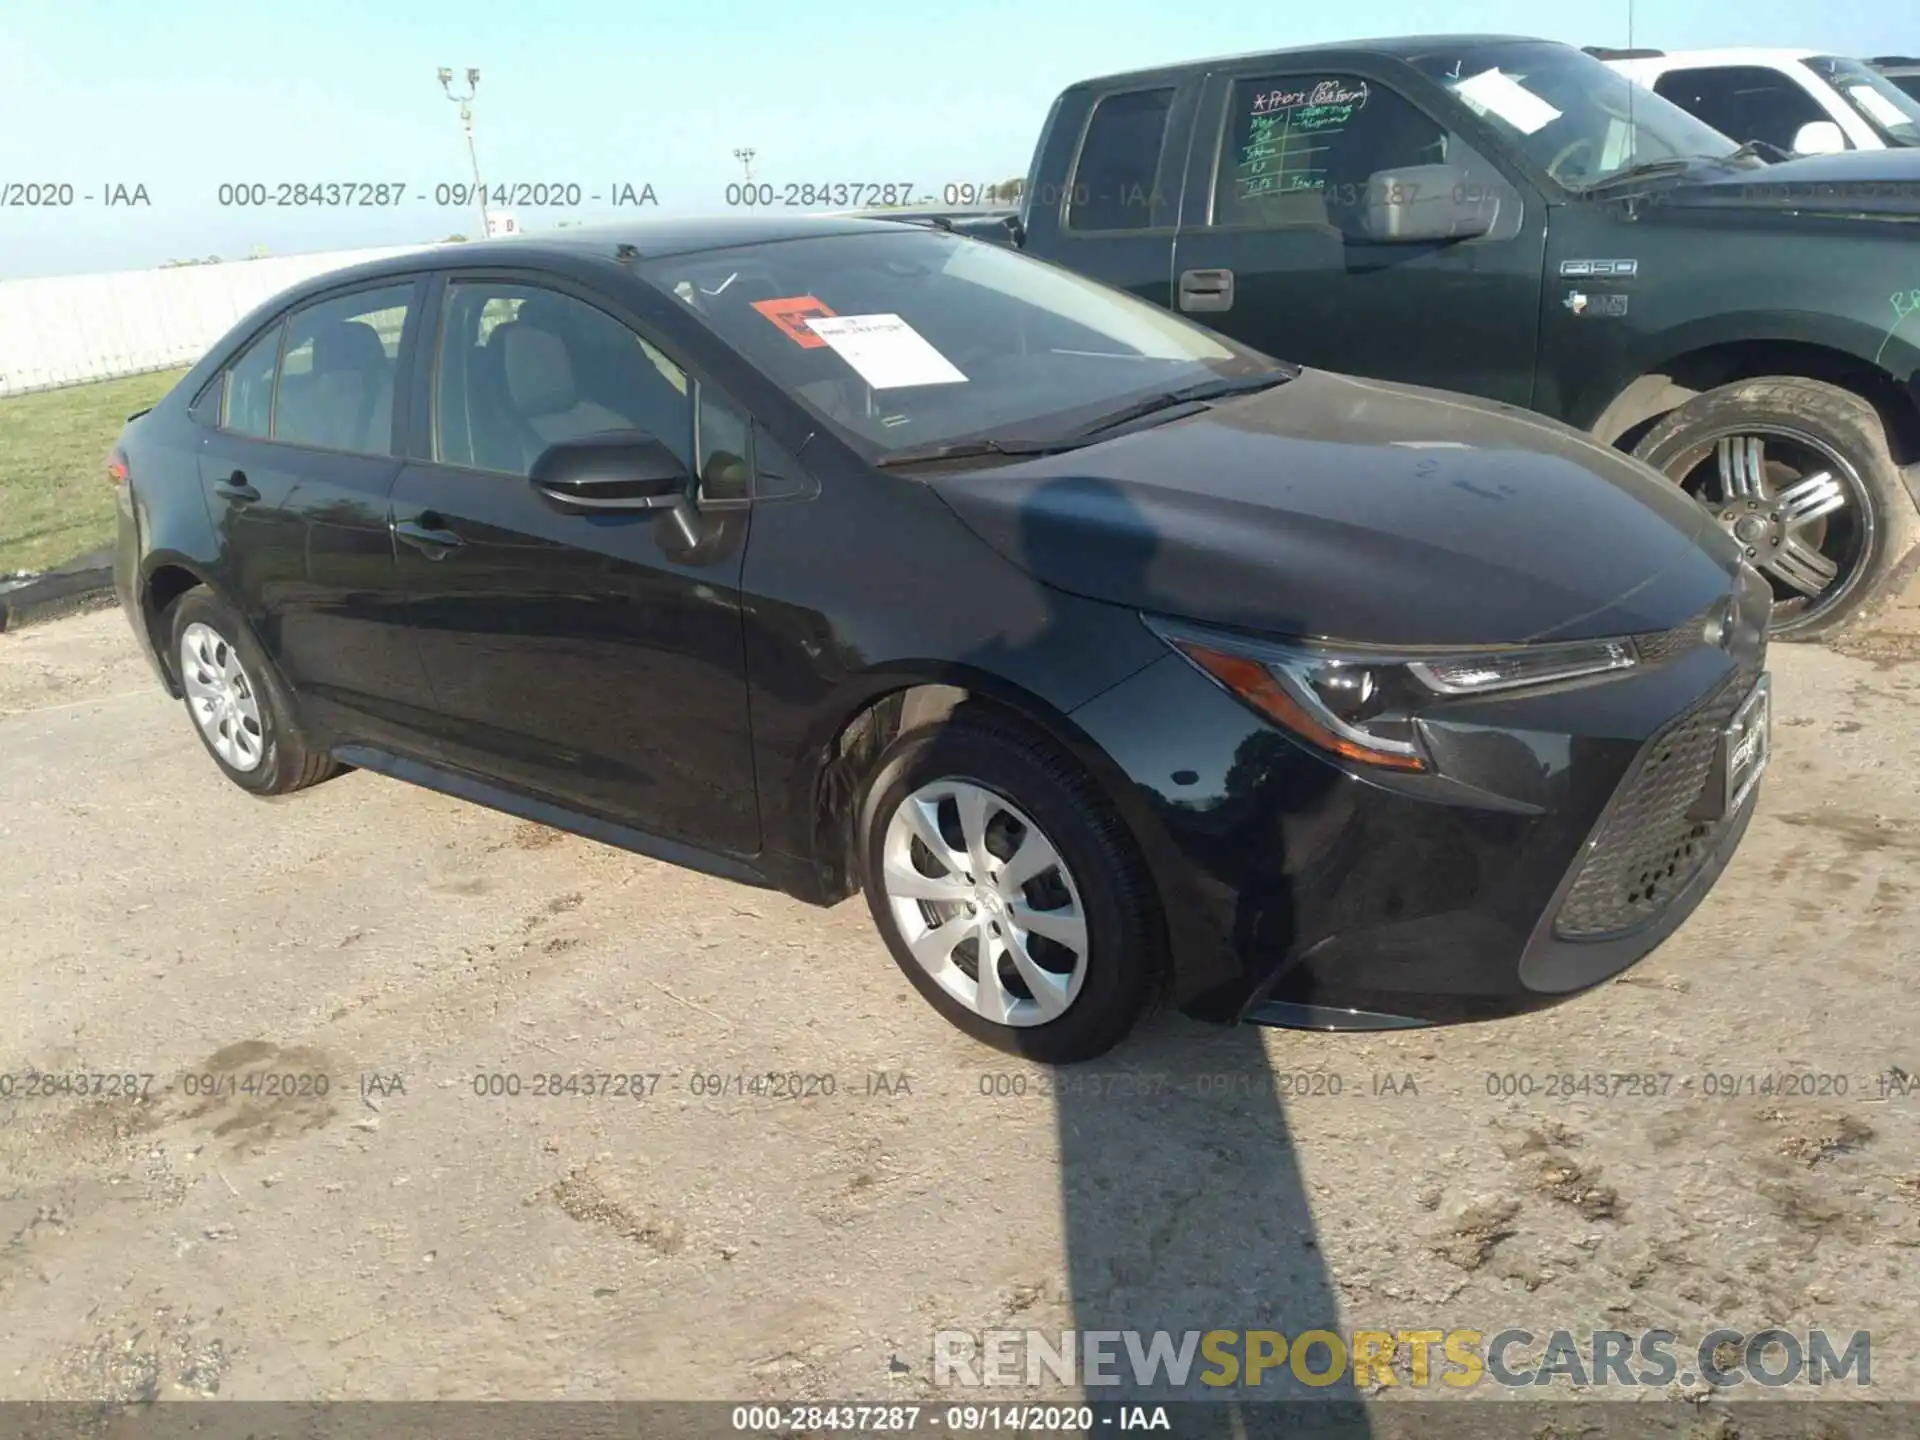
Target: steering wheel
1567,152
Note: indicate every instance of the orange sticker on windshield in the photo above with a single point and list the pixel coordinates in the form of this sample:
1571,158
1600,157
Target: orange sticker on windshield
791,314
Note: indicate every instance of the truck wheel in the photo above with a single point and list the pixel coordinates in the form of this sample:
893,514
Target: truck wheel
1009,892
1799,473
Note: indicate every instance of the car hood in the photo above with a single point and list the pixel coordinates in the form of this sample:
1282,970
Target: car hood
1881,183
1358,510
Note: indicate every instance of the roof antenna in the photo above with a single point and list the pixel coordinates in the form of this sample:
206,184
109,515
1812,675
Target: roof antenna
625,252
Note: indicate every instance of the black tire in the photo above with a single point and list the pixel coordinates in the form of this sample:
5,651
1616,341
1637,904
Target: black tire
1871,537
288,761
1126,944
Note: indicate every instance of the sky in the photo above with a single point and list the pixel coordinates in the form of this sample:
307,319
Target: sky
181,97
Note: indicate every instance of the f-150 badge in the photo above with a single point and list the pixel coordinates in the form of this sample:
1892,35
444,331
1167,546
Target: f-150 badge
1581,303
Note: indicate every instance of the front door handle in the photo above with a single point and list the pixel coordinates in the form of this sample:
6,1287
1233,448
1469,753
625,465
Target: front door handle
435,542
1206,289
235,487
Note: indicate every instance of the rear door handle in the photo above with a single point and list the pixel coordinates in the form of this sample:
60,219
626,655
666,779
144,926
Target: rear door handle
1206,289
432,541
235,487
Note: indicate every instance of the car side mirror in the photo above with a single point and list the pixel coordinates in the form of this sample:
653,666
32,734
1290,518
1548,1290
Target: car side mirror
613,470
1819,137
1430,202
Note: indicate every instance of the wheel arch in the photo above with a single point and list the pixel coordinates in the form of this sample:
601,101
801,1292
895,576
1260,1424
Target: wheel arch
891,703
1696,368
165,579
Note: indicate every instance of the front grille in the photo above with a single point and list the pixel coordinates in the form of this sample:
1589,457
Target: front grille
1646,850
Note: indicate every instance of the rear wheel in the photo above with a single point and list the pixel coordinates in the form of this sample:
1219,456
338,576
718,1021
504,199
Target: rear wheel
1798,473
1008,891
238,705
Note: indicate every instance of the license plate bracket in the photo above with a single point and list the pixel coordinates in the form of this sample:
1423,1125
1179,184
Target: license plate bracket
1740,755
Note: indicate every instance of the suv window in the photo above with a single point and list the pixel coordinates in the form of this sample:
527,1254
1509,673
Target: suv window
246,407
1743,102
520,368
337,372
1113,181
1303,150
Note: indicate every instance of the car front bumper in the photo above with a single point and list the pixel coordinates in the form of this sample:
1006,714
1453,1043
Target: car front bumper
1560,842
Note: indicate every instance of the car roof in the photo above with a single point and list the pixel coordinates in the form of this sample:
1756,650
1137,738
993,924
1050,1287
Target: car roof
1401,47
1727,55
625,240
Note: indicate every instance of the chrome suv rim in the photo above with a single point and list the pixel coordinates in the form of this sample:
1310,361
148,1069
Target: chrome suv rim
1796,507
221,696
985,903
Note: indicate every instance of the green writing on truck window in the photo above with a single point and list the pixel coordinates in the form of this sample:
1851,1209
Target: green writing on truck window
1289,132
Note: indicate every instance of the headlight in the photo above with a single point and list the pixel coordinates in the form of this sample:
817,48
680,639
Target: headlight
1360,703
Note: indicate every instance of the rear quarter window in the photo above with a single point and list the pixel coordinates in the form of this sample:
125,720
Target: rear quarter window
1114,177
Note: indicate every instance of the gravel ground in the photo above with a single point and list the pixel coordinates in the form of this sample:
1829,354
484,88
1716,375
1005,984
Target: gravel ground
402,1237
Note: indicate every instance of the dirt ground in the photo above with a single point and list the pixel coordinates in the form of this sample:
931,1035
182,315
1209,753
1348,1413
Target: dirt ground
401,1236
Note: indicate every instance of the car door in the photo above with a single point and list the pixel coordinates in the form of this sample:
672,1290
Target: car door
592,659
296,465
1275,247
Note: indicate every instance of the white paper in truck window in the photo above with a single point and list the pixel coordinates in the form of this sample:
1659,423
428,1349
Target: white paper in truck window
887,352
1506,97
1877,105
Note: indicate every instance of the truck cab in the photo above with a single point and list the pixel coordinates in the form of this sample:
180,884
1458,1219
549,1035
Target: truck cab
1797,101
1513,219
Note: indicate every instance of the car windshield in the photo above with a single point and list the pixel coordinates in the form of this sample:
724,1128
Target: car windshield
1891,111
911,337
1577,119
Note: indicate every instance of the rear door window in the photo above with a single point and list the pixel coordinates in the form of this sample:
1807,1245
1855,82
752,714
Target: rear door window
337,376
1114,178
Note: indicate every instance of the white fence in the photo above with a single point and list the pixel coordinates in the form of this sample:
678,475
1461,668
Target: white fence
67,328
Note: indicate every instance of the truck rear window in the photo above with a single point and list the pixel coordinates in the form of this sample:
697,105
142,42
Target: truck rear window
1113,183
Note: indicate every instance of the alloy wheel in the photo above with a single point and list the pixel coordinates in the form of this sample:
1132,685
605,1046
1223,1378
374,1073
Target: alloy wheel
1796,507
985,903
221,697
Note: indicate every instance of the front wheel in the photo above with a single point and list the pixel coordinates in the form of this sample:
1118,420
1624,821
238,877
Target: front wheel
1798,473
1009,892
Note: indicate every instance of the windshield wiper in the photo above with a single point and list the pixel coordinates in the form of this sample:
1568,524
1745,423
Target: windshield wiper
1645,170
1010,445
1675,165
1218,389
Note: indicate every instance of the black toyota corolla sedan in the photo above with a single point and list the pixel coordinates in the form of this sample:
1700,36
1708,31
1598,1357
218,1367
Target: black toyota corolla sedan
1119,665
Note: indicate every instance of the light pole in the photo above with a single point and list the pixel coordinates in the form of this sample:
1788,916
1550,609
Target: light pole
745,156
466,123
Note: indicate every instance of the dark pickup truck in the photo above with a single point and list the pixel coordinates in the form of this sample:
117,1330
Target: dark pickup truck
1513,219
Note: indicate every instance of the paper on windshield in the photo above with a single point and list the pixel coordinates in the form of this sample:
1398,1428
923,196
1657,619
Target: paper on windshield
1877,105
1498,92
887,352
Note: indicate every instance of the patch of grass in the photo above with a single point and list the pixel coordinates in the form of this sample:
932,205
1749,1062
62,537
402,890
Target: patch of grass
55,499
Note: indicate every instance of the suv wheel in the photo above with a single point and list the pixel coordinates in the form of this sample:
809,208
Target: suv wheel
1008,891
1799,473
239,708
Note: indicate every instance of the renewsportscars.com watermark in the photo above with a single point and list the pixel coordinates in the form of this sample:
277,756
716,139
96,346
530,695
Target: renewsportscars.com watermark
1457,1359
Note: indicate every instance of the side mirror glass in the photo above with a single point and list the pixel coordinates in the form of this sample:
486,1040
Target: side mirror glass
613,470
1431,202
1819,137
